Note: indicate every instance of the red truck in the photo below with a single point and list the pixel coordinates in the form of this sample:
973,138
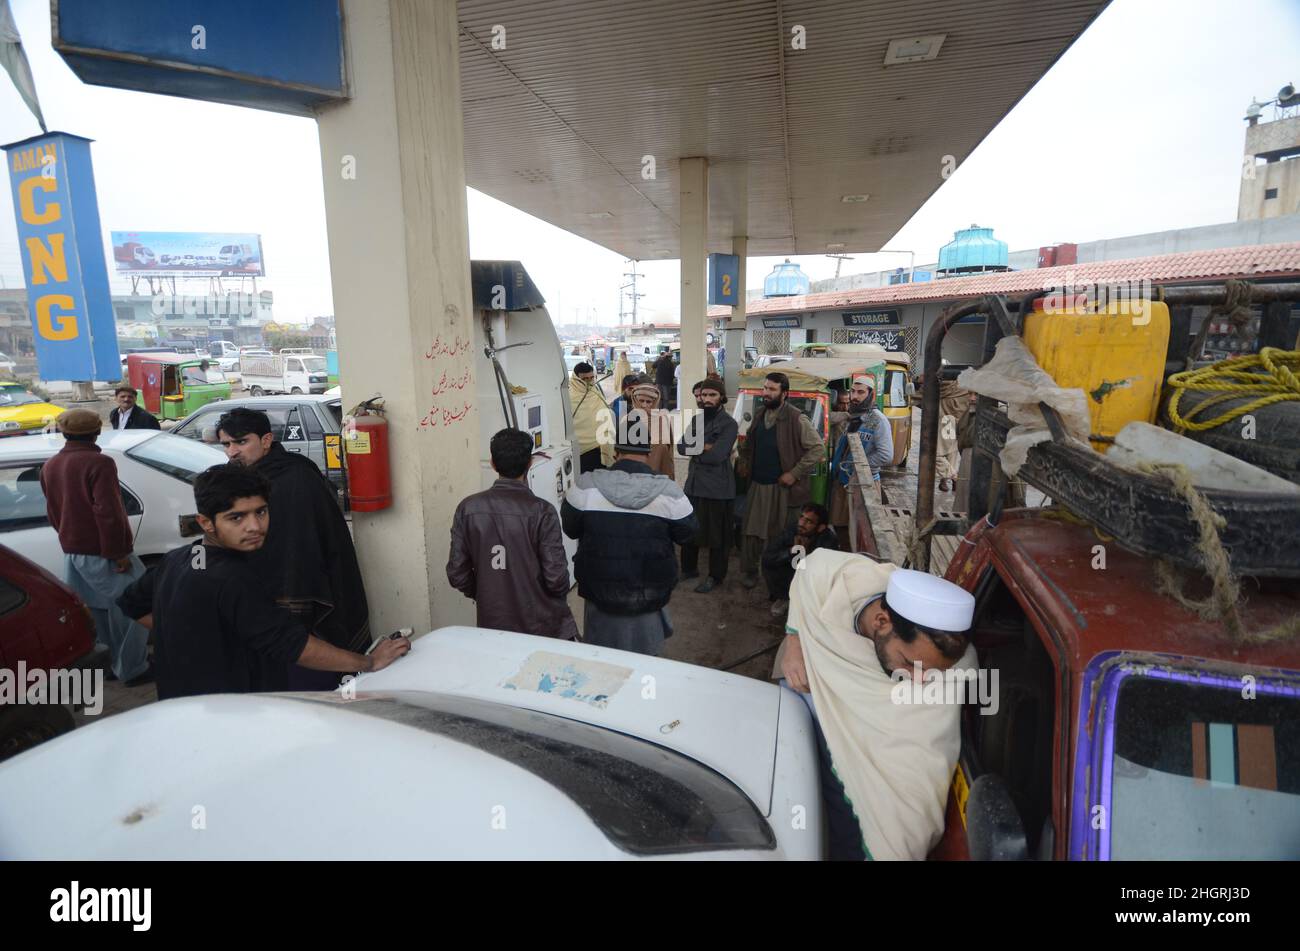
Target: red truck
1127,727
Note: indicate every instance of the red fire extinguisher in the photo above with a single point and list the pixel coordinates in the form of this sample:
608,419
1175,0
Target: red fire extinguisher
365,453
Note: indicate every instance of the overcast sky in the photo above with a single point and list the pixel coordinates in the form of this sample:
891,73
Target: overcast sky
1140,125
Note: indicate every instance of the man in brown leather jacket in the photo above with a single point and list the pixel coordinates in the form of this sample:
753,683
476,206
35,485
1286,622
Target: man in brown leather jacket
507,552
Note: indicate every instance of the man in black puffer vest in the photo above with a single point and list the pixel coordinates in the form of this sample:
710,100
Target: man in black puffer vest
627,519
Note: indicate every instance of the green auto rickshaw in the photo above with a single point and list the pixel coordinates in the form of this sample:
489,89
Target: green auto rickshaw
173,385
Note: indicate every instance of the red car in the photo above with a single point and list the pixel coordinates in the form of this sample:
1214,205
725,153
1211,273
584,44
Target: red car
44,626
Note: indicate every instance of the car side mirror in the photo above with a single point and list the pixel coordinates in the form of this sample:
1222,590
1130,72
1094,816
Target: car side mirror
994,829
189,526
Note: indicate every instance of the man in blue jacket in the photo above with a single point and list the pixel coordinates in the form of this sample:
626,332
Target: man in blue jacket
627,518
868,424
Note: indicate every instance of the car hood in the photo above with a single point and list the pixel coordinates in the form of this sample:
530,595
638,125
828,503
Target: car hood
29,412
725,721
294,775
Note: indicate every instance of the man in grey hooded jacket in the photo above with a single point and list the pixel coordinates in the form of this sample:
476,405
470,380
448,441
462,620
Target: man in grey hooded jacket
627,520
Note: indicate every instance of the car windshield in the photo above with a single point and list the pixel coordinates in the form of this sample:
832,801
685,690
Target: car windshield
314,364
17,398
1203,771
181,458
647,799
199,375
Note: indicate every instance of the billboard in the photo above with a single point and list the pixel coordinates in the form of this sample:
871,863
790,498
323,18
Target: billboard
187,254
74,330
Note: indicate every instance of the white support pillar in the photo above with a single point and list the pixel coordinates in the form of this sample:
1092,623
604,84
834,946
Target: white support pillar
694,215
733,336
395,207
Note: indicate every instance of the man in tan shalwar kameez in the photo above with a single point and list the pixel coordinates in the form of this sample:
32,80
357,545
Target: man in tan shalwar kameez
954,404
856,630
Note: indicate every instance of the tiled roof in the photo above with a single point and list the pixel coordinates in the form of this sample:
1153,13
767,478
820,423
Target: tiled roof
1258,260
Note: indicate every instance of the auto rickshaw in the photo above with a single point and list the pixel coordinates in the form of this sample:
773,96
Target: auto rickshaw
893,393
811,382
173,385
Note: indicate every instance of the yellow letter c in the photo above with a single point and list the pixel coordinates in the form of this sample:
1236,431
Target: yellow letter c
52,210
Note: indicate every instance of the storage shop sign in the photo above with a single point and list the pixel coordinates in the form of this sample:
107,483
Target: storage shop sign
871,318
783,323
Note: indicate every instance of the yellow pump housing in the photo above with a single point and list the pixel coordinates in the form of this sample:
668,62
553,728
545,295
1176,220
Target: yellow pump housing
1115,355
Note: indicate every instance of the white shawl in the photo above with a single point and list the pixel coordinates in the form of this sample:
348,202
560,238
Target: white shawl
895,760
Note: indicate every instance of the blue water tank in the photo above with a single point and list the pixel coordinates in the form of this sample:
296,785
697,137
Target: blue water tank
973,249
786,280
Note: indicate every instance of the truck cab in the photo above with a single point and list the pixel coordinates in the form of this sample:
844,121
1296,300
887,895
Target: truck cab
1125,726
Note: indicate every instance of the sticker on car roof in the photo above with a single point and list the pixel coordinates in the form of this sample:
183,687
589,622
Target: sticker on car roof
589,681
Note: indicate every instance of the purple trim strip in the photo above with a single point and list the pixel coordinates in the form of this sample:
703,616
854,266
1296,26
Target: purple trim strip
1103,761
1083,757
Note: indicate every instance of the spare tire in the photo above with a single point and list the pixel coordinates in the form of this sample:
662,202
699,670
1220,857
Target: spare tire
1270,439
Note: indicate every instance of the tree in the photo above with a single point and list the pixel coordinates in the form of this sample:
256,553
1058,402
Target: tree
281,340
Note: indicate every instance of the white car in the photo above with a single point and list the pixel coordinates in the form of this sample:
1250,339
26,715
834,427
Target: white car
156,472
477,745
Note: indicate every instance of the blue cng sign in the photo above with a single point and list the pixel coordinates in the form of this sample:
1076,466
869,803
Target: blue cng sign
63,258
724,279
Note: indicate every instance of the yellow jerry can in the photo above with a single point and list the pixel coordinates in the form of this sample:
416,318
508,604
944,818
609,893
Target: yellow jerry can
1115,355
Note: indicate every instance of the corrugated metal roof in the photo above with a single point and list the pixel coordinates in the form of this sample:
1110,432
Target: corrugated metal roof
557,123
1258,260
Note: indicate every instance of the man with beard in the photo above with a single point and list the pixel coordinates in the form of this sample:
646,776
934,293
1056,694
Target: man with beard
645,397
710,483
780,452
868,424
307,564
859,634
621,405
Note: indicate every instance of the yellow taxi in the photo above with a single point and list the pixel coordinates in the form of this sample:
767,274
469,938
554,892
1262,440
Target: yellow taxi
22,412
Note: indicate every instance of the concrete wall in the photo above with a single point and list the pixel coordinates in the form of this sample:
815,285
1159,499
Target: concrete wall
1282,180
1274,139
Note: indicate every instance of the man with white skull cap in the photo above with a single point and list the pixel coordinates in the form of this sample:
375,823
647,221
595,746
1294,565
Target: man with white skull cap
867,424
856,629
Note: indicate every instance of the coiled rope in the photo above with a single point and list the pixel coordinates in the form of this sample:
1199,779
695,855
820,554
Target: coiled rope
1270,376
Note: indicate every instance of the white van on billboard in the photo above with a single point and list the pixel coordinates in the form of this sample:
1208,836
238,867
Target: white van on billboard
187,254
